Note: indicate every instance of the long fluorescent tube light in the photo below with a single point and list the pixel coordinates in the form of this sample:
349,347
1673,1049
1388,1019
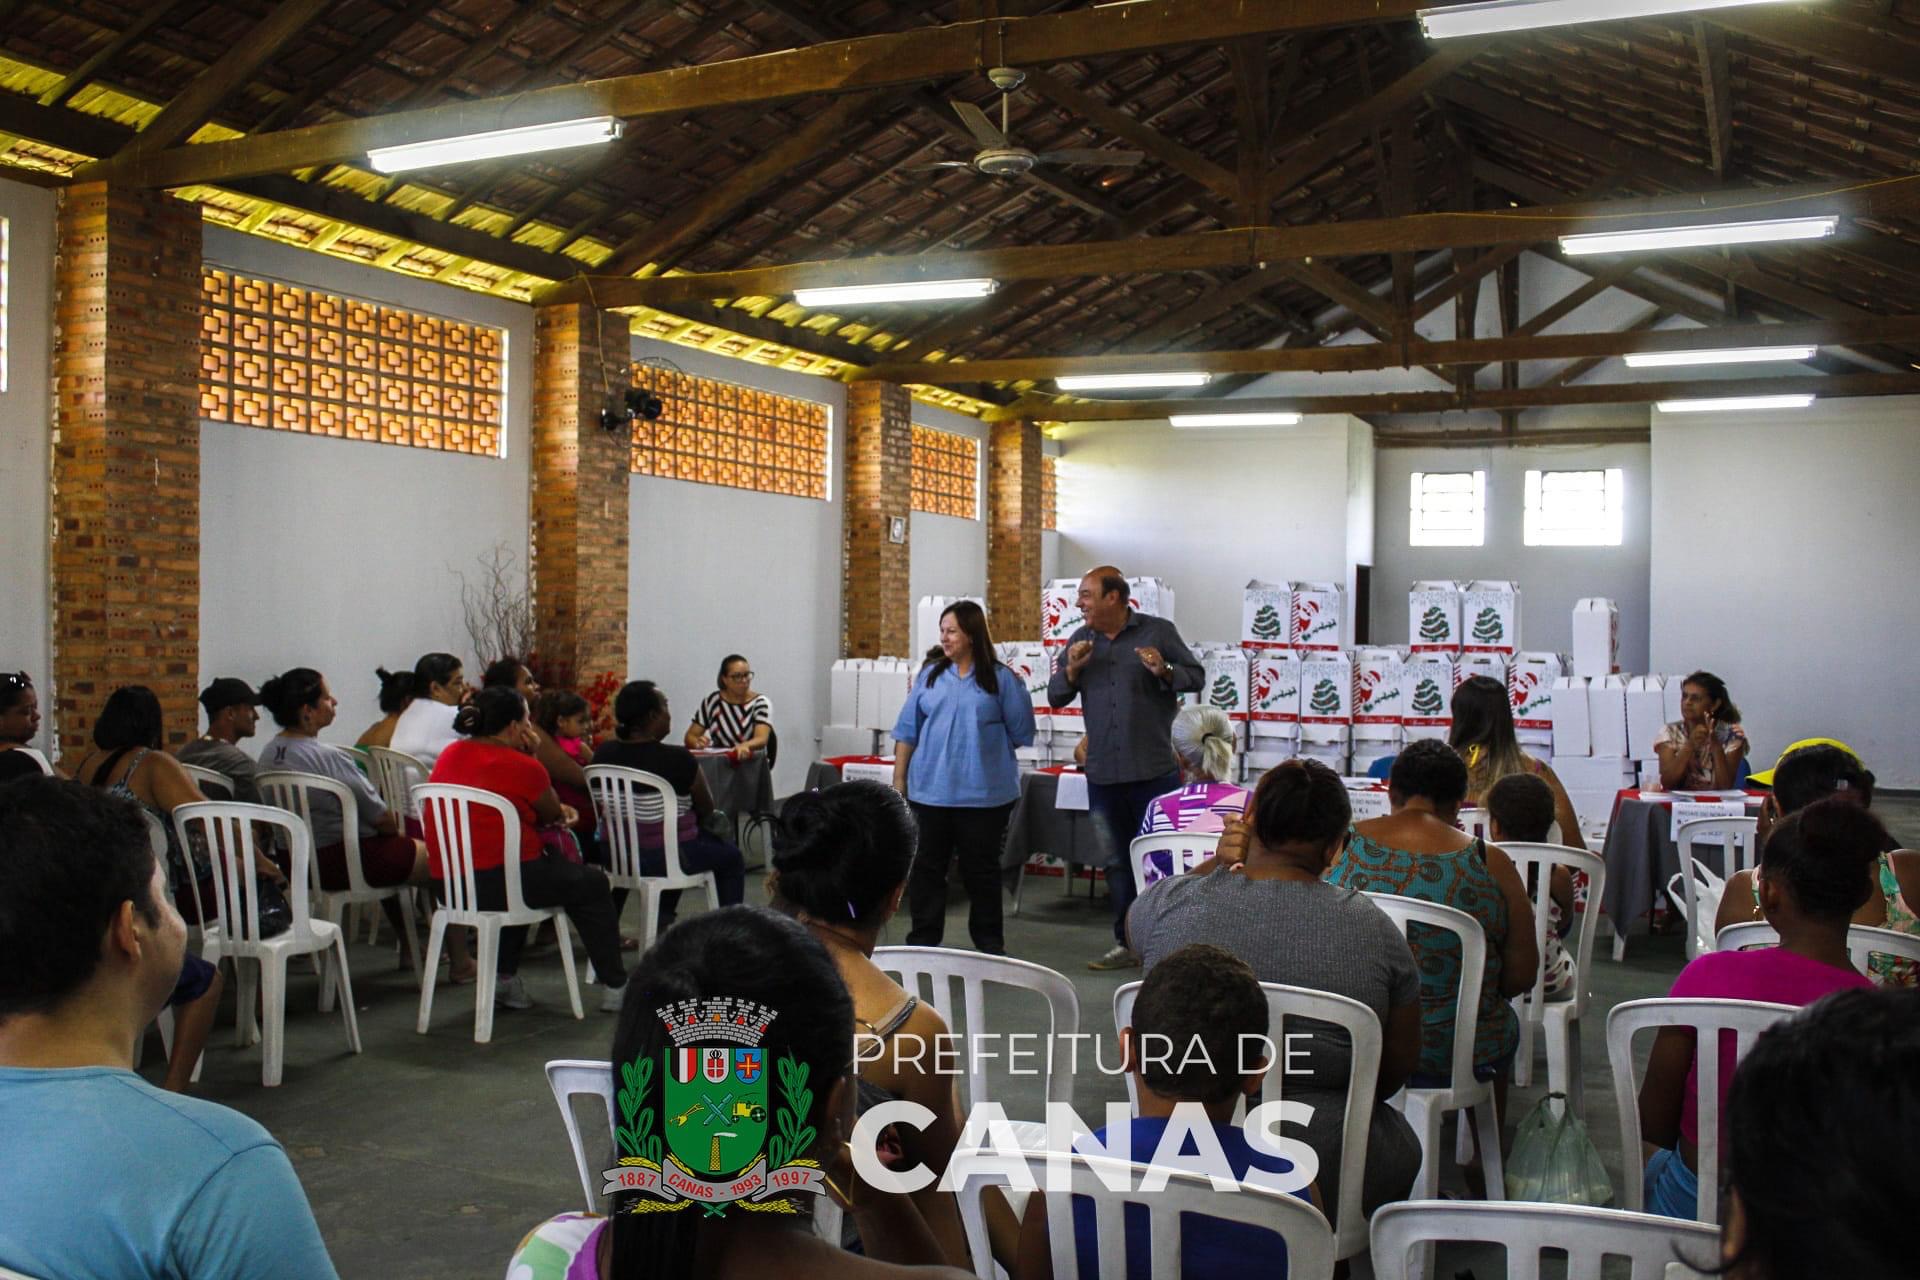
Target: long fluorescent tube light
906,291
1526,15
1235,419
1733,402
500,142
1695,237
1129,381
1725,355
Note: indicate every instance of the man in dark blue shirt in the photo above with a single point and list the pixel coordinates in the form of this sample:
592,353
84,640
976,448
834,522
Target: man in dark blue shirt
1128,670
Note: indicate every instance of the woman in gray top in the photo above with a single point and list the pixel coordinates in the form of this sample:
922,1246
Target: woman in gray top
1262,898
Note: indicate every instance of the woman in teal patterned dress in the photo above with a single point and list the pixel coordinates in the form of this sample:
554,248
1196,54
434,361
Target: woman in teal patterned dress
1417,852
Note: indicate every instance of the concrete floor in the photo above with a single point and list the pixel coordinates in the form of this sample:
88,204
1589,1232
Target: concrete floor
430,1156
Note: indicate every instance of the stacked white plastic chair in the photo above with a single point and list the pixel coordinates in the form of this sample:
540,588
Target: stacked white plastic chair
1864,941
627,802
1185,850
1558,1022
1700,885
1588,1236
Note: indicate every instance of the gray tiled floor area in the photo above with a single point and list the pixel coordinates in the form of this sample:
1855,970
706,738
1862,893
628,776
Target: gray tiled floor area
429,1156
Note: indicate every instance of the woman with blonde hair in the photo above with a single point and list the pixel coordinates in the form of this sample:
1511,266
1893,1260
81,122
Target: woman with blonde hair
1204,740
1484,737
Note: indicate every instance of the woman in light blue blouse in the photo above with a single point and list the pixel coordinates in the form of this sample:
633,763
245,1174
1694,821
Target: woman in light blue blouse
954,762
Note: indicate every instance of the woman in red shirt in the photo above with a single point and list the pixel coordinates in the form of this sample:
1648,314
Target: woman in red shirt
495,753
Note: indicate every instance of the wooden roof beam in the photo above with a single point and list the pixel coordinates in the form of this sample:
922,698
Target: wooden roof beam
1710,44
1129,128
104,56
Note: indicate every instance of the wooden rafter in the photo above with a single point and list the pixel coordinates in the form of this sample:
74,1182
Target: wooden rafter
1645,322
1130,129
329,77
1250,64
104,56
194,105
1710,43
1878,49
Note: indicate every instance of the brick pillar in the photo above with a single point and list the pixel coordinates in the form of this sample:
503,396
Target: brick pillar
126,456
1013,529
874,589
581,482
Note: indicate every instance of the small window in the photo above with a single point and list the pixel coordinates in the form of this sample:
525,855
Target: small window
946,473
1575,508
1449,509
1049,492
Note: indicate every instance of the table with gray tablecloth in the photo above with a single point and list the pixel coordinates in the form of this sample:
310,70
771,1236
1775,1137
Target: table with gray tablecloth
1642,857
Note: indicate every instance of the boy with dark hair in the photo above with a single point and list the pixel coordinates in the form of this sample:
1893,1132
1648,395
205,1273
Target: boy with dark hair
1520,807
1194,1040
109,1175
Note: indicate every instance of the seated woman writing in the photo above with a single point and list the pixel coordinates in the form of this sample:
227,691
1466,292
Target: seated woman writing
733,717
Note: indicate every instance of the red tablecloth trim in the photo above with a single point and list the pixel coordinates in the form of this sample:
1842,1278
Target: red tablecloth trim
841,762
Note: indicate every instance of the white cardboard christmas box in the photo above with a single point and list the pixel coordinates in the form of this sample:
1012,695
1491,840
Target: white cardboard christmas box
1326,696
1369,751
1530,680
1671,694
1491,665
1490,617
1334,755
1264,611
848,740
1150,596
1646,714
1060,614
1379,702
1433,616
1319,615
843,690
1274,694
1572,732
1269,753
1596,637
1426,695
1225,684
1607,711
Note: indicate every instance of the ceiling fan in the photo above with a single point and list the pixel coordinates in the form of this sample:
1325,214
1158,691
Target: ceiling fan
998,157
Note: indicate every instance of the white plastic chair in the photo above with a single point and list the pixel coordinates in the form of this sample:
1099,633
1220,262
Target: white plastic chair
295,792
204,777
228,828
1558,1022
1588,1236
1186,849
1363,1030
570,1078
1473,821
1309,1239
1707,1019
394,775
1426,1108
1864,941
1736,834
35,755
945,970
448,812
626,801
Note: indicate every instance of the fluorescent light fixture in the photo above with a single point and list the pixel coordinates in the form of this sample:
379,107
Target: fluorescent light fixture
905,291
1734,402
1525,15
1235,419
1129,381
1695,237
1725,355
500,142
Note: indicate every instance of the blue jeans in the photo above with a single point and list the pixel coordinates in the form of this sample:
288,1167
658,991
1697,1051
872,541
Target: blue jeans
1671,1189
1117,811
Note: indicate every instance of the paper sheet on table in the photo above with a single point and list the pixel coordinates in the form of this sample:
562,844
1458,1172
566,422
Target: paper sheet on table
1072,793
1695,810
1368,804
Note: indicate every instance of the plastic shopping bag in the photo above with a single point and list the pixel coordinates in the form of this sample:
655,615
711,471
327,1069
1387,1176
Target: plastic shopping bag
1554,1160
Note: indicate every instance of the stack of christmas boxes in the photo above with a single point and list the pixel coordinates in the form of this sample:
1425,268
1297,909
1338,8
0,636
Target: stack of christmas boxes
1300,679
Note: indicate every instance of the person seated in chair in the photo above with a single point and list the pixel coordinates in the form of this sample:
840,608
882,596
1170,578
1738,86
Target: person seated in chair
733,717
1203,742
396,695
107,1175
232,716
1193,1043
1522,807
19,724
425,728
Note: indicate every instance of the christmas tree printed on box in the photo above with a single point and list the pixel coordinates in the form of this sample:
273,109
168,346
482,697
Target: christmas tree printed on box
1433,624
1266,623
1487,628
1224,694
1325,700
1427,702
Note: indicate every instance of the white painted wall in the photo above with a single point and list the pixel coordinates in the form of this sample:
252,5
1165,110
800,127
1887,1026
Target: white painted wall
26,432
1208,510
341,554
1550,578
1788,544
715,571
949,555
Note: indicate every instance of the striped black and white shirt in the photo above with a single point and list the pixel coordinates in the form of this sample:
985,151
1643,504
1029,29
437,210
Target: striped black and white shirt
728,725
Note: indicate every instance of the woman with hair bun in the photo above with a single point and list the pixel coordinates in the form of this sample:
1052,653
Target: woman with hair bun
840,860
495,753
1264,899
1203,740
1815,872
396,694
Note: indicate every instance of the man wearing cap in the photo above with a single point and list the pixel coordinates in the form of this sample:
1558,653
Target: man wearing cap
230,705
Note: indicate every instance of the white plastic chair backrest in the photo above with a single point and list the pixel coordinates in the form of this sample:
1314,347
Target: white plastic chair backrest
627,801
394,775
570,1078
1362,1026
969,972
448,812
1529,859
1474,821
230,832
1185,850
1473,967
204,777
295,792
1699,891
1170,1210
1864,941
1740,833
38,758
1588,1236
1742,1019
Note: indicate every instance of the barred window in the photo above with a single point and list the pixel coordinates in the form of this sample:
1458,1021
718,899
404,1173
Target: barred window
1575,508
713,432
1049,492
1449,509
946,473
296,359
